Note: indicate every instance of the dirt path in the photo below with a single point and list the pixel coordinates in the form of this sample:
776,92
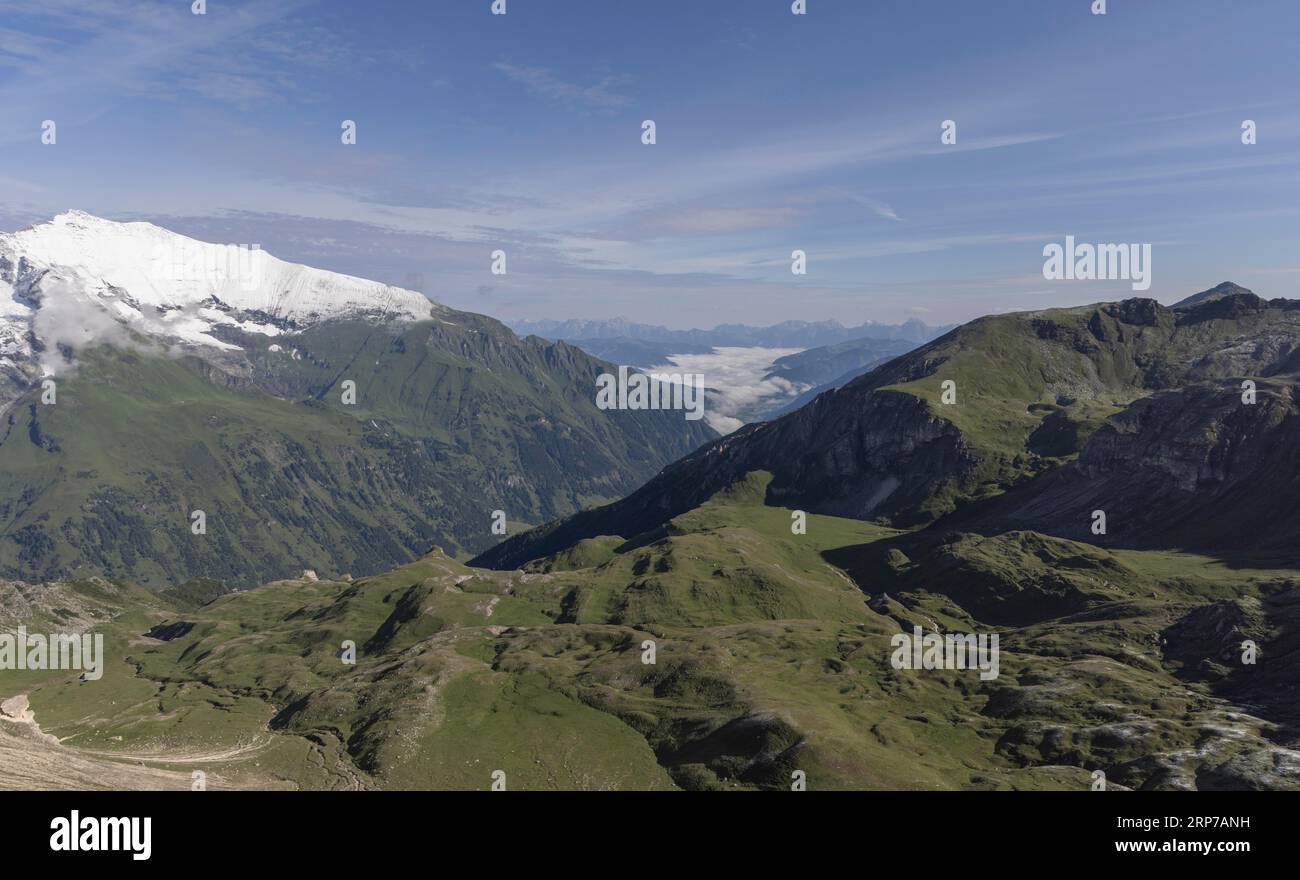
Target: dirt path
31,759
240,752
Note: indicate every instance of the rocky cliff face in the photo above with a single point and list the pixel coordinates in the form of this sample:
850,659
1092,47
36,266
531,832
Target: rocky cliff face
1195,466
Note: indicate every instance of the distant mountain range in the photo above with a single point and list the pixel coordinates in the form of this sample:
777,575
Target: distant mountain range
643,354
788,334
826,368
833,354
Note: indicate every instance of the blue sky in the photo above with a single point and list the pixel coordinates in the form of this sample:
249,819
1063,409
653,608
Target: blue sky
775,132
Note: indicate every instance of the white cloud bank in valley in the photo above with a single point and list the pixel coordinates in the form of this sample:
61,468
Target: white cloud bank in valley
734,377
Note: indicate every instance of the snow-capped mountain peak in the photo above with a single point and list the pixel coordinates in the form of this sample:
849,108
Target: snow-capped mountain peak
63,280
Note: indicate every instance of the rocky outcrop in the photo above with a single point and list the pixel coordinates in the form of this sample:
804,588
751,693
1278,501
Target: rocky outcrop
1196,467
1208,642
15,707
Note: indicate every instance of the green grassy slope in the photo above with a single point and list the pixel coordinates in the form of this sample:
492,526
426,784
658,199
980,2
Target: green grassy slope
772,655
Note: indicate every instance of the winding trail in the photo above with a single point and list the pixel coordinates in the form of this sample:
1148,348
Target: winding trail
31,759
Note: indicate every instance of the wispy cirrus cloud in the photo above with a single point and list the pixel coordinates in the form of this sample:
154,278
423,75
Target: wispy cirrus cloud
877,207
678,220
105,57
25,51
603,95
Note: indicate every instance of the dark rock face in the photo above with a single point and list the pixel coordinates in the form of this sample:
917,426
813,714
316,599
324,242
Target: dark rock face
881,457
1207,641
1139,312
1196,467
165,632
